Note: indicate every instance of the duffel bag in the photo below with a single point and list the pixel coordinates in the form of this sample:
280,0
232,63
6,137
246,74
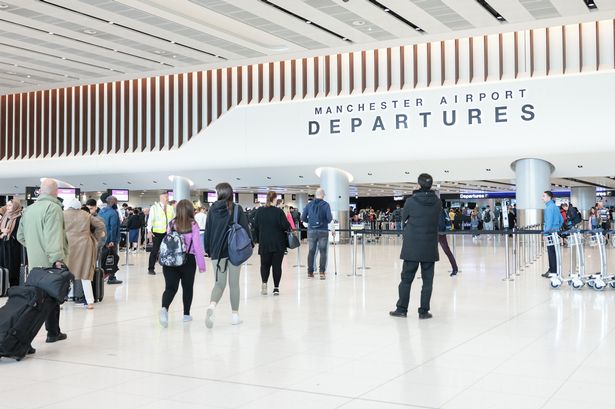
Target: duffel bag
54,281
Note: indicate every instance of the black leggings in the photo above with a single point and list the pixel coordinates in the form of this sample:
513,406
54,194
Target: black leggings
269,260
172,277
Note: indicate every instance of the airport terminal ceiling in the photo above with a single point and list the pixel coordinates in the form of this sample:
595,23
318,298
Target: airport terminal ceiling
447,91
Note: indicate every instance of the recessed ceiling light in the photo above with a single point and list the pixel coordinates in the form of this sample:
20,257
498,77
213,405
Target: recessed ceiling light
407,173
418,29
579,166
300,177
89,31
160,52
50,33
237,178
104,183
28,76
369,174
387,10
22,81
308,22
446,171
488,170
358,23
154,181
269,177
110,22
63,58
209,180
172,42
4,6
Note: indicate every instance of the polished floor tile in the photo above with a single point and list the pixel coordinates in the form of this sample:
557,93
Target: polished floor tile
331,344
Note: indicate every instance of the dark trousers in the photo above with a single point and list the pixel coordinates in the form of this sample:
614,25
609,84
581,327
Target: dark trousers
52,324
407,276
153,256
172,278
317,238
552,260
444,244
272,261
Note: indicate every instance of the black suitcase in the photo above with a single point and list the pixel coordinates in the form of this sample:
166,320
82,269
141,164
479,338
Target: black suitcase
98,284
21,318
4,281
23,268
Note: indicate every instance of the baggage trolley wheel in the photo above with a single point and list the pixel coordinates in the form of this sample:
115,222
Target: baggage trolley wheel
590,283
612,284
576,284
556,282
599,285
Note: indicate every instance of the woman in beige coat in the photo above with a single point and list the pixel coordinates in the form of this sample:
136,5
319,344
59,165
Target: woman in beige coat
83,232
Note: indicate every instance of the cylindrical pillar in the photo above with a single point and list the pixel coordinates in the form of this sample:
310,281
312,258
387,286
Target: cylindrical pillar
301,200
335,183
583,198
181,188
533,177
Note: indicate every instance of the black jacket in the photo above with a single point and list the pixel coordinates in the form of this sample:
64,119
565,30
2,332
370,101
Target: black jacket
133,222
420,216
270,227
218,221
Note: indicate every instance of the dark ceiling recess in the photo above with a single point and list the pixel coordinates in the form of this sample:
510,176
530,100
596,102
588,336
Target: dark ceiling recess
587,183
498,183
397,16
305,20
590,4
491,10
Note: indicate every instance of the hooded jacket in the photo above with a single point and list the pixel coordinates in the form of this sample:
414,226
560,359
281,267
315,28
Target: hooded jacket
112,224
218,220
420,217
42,232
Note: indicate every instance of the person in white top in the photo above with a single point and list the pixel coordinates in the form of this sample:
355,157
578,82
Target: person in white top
201,218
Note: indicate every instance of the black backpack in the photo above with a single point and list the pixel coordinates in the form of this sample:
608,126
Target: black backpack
487,217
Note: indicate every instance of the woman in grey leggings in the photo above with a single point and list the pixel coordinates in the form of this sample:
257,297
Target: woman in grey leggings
216,246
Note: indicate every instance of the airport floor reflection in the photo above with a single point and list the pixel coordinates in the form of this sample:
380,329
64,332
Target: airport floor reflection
331,344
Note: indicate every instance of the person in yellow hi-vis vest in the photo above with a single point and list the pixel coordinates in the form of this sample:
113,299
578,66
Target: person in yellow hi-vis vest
160,214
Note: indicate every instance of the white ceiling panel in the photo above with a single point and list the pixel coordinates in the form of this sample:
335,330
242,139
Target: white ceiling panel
106,40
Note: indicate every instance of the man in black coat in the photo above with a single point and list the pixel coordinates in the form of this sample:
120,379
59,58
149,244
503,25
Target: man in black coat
420,218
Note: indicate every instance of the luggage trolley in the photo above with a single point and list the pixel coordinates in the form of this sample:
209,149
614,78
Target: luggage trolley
577,278
600,280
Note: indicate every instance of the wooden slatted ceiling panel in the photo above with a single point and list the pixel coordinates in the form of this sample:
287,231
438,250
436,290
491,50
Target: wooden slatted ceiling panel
119,116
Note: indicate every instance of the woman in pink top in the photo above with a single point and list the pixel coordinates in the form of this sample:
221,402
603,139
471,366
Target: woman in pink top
185,224
289,217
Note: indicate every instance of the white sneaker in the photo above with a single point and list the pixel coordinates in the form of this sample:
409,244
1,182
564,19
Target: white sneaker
163,318
209,319
264,289
187,318
235,320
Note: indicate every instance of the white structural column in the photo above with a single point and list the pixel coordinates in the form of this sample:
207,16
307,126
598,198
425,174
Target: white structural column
181,188
302,201
533,177
335,183
583,198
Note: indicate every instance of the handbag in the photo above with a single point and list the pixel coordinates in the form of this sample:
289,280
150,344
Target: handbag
54,281
292,240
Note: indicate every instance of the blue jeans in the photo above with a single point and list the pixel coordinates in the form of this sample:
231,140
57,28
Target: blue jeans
318,239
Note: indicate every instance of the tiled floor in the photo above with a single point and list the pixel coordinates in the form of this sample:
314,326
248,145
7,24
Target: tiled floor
331,344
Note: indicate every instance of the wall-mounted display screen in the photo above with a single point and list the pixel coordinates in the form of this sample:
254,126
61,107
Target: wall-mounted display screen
212,197
170,194
66,193
120,194
261,198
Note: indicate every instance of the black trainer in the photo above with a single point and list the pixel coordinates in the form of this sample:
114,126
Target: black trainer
397,313
60,337
113,280
151,272
548,274
425,316
454,273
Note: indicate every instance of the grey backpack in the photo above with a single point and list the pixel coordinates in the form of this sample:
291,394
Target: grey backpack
173,251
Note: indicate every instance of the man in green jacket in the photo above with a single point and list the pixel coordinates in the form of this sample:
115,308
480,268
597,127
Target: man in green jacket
41,231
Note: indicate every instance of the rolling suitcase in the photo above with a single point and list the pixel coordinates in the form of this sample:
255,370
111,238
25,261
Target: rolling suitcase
21,318
23,268
4,281
98,284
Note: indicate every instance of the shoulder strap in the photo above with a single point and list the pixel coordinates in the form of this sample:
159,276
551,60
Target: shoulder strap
235,214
